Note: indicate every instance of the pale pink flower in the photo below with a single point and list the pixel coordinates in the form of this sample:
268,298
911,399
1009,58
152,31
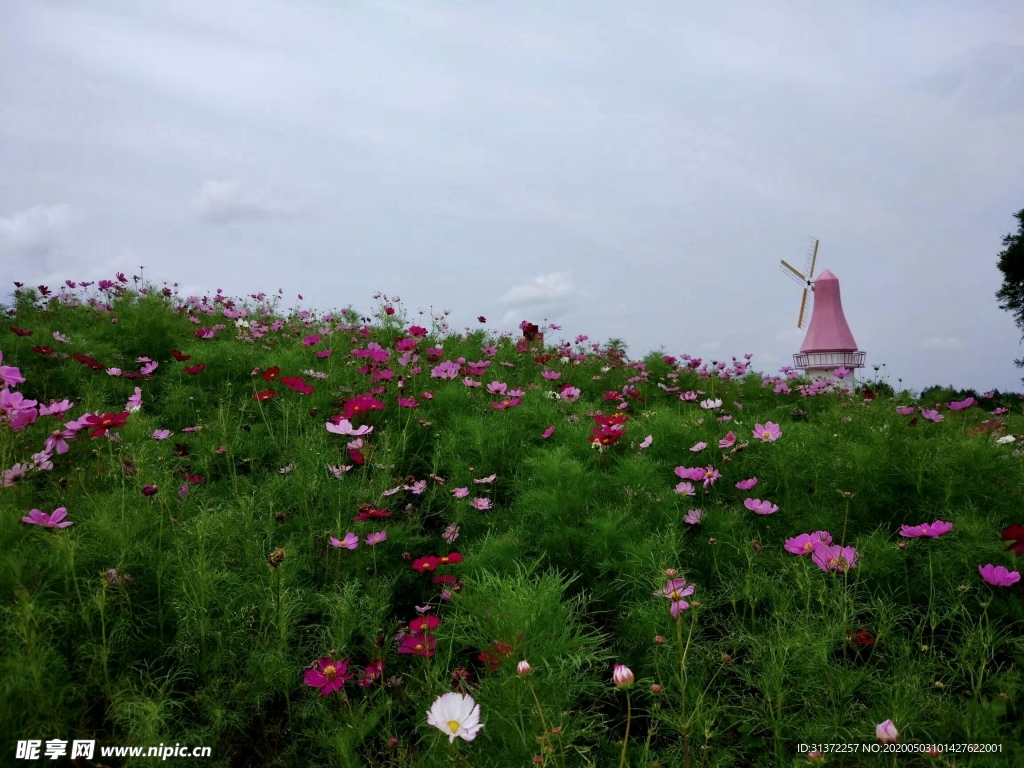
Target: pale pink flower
646,442
49,520
728,441
351,541
746,485
489,479
698,447
760,507
886,732
686,489
460,493
622,676
768,432
805,543
161,434
931,530
344,427
376,538
451,533
694,516
480,504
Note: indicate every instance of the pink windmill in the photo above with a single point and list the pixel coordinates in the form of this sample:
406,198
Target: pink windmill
828,345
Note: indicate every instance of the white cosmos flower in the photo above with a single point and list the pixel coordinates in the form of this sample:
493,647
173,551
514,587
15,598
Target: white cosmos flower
710,405
456,715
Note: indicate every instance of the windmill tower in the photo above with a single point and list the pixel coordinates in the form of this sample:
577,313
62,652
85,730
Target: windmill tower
828,344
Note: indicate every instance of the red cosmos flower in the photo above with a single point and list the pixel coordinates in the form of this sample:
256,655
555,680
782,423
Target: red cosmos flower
19,331
196,479
452,558
44,290
1014,534
389,310
296,384
180,356
100,424
481,319
356,457
448,580
361,404
192,370
417,331
328,675
502,650
612,395
418,644
43,350
424,623
606,435
860,637
370,512
266,394
426,563
271,373
611,421
86,360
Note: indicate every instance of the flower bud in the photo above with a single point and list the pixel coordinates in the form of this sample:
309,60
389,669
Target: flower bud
670,572
659,640
524,668
655,688
886,732
622,676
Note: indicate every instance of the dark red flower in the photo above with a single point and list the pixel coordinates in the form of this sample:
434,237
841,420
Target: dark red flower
1014,534
296,384
266,394
361,404
370,512
19,331
192,370
452,558
860,637
44,290
425,563
180,356
606,435
148,490
196,479
482,319
271,373
100,424
86,360
43,350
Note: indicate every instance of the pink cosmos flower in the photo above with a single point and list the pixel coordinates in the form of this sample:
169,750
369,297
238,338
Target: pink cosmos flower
351,541
805,543
710,404
746,485
997,575
55,408
489,479
646,442
344,427
446,370
329,675
53,520
480,504
161,434
768,432
760,507
686,489
550,375
569,394
676,590
834,558
376,538
931,414
134,404
417,644
711,476
548,432
418,487
57,441
728,441
337,471
933,530
451,533
905,410
690,473
694,516
698,447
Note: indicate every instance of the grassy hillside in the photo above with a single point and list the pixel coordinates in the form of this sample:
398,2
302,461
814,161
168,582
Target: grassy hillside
291,532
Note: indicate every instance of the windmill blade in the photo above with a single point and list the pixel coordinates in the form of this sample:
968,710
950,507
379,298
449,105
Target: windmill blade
812,259
806,304
791,271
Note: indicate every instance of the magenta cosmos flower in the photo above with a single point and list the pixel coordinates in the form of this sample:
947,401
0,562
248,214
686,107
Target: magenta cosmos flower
931,530
834,558
37,517
998,576
805,543
676,590
329,675
761,507
351,541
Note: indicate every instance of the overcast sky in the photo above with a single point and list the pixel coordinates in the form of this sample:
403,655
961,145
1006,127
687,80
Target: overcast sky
633,169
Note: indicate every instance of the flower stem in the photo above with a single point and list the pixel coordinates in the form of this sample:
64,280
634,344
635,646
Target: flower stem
625,740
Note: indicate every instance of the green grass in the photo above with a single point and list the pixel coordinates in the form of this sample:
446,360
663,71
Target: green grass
224,592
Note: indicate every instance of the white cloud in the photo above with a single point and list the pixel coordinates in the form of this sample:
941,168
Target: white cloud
554,291
943,342
226,201
34,232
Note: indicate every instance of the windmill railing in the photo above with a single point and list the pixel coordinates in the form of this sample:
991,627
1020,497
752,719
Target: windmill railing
829,359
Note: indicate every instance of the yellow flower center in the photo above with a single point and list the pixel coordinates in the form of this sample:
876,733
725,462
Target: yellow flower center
674,595
330,672
808,546
453,725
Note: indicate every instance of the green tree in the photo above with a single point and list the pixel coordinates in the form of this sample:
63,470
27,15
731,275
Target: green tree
1011,264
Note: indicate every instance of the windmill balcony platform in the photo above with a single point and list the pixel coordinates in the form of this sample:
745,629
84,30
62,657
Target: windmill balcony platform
829,359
